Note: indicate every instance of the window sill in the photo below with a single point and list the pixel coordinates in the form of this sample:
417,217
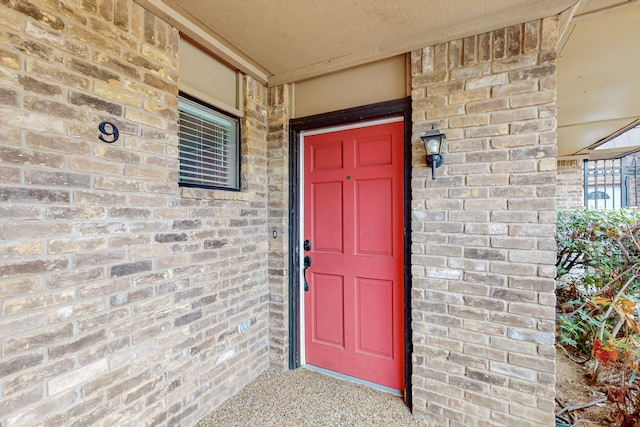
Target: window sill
209,194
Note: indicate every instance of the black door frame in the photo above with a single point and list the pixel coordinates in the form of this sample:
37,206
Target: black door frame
395,108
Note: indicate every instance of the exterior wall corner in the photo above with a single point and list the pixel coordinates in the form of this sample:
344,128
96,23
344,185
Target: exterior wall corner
483,249
278,211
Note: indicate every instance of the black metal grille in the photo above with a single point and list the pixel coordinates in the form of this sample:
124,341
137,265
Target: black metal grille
611,184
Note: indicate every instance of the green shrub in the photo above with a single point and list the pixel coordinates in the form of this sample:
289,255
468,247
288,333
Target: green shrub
598,291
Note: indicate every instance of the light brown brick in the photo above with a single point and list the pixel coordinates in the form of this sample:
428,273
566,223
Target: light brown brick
21,249
21,286
10,59
76,377
22,343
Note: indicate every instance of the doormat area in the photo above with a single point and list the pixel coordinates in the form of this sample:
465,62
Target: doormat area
305,398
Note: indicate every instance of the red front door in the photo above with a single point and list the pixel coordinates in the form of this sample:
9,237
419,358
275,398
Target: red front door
353,219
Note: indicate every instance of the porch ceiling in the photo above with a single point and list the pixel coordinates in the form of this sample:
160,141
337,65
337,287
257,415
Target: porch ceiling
279,41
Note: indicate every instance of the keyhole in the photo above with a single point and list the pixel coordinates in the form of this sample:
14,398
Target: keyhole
348,176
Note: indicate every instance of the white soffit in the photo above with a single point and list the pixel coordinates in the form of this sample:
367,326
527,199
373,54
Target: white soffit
575,139
188,24
289,41
296,40
598,83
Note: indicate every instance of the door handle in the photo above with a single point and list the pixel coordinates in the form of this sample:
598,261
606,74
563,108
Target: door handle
307,264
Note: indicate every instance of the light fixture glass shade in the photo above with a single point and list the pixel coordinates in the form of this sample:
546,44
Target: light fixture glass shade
433,146
432,141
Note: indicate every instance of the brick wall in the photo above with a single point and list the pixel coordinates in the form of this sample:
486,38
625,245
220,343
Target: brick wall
278,161
120,293
569,186
483,232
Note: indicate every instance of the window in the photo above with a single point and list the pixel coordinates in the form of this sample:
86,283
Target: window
209,146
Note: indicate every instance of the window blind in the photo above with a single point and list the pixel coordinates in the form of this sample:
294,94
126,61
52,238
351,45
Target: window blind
209,148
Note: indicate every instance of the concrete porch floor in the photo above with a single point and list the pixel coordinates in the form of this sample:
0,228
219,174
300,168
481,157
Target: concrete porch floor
305,398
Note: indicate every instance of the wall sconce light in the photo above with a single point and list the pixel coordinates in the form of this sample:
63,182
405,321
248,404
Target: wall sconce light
432,141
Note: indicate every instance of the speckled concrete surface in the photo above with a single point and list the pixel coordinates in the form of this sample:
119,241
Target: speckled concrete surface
305,398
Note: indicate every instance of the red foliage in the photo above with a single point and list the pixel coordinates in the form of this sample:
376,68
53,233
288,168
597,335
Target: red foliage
630,421
602,353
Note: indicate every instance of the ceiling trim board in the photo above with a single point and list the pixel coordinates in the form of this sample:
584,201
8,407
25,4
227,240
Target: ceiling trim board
188,25
592,14
566,25
573,157
615,134
613,119
606,155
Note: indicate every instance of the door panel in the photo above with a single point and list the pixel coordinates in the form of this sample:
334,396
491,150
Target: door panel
353,215
328,310
374,226
327,216
327,156
375,317
374,152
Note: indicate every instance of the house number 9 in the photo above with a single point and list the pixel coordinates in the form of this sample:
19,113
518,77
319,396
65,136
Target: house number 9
110,130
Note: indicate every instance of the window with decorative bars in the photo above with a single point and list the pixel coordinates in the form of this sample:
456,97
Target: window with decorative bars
209,146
